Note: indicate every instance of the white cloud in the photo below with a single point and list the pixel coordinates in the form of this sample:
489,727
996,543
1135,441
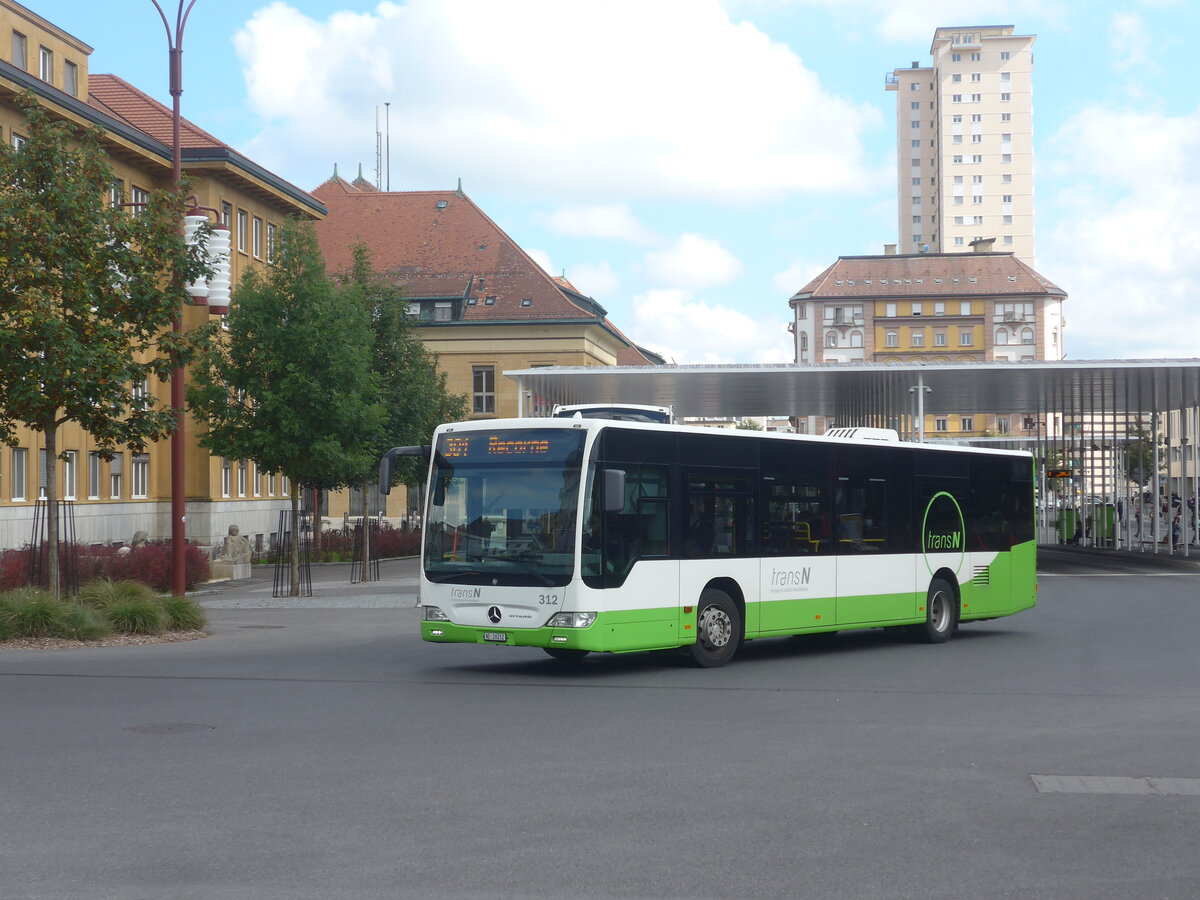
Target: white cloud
594,279
692,261
577,99
798,273
1128,40
1128,247
684,330
611,220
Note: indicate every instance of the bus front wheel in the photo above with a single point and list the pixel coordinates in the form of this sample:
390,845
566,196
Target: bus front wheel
718,629
941,614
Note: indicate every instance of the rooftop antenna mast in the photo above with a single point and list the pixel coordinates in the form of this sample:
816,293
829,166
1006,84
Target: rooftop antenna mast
378,150
387,122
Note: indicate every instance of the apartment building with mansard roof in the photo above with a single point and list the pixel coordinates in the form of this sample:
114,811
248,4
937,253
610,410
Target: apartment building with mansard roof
484,305
114,499
932,307
964,138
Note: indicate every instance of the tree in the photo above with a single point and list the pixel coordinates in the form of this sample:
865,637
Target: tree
749,425
411,389
88,295
1139,454
291,386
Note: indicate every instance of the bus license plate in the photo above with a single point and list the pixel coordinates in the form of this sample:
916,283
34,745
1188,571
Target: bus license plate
499,636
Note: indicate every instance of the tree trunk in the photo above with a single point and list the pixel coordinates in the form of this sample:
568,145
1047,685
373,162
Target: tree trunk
52,573
316,523
294,590
366,533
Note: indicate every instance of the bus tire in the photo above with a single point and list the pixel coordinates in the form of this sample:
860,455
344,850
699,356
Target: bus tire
566,654
941,615
718,629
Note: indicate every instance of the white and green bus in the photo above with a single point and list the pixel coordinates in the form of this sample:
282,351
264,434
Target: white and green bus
585,535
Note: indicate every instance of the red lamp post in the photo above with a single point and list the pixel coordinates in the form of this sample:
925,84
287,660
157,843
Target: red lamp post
178,469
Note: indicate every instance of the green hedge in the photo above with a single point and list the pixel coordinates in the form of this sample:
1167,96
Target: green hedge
101,609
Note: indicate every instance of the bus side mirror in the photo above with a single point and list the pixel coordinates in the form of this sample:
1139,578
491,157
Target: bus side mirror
614,490
387,465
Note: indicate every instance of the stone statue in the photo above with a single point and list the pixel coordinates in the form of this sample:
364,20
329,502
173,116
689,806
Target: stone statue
139,540
236,548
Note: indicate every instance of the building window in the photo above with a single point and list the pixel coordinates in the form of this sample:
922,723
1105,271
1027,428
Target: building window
1005,55
967,423
271,484
956,159
939,339
93,476
241,478
977,98
856,339
1006,77
956,78
914,86
956,139
976,57
1002,424
890,310
42,474
243,221
139,475
1008,239
1006,179
941,424
70,474
255,479
916,104
958,242
939,309
483,389
916,309
964,337
20,464
977,139
1004,98
20,57
1005,117
1001,335
892,339
227,215
139,198
18,142
1006,220
116,193
1026,335
46,65
956,98
114,476
256,236
917,338
226,477
71,78
976,77
272,239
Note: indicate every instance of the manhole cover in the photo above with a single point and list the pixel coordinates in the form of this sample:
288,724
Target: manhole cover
262,626
169,728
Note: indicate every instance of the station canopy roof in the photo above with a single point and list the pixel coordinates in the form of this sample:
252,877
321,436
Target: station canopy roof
842,390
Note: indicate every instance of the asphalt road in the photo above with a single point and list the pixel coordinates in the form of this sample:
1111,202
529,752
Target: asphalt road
327,752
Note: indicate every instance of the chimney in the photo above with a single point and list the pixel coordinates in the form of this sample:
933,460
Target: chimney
982,245
889,249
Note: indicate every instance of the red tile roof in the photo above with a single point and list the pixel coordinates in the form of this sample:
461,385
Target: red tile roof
440,244
927,275
121,100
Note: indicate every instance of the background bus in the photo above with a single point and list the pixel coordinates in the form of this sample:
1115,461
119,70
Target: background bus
580,535
622,412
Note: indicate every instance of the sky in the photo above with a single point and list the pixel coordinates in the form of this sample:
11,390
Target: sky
691,164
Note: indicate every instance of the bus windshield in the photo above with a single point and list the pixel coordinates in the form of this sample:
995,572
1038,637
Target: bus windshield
502,507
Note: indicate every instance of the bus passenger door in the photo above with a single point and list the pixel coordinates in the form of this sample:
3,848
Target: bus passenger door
874,582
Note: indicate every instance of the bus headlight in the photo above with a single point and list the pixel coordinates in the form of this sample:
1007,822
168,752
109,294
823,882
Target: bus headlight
572,619
434,614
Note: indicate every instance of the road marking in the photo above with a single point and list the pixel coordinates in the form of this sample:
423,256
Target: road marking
1109,784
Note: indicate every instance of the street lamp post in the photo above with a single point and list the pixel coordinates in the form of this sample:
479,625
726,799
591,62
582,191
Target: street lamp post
178,470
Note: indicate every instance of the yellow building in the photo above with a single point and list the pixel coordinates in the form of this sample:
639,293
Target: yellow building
114,499
936,308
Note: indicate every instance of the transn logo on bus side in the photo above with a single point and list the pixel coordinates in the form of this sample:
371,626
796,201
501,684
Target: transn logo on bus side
790,577
951,541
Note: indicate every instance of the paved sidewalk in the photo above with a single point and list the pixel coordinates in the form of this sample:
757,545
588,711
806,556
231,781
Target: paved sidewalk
331,589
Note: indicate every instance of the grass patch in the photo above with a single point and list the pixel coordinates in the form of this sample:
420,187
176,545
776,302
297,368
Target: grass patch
183,614
29,612
80,623
136,615
104,593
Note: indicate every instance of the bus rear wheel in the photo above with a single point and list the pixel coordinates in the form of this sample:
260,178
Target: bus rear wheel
566,654
718,629
941,615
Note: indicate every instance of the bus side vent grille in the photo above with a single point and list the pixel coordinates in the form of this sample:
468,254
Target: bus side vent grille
983,575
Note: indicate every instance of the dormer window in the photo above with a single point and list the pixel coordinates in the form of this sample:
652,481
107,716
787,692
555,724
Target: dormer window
489,301
527,301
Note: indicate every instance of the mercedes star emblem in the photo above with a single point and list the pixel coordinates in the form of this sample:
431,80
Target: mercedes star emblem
494,614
